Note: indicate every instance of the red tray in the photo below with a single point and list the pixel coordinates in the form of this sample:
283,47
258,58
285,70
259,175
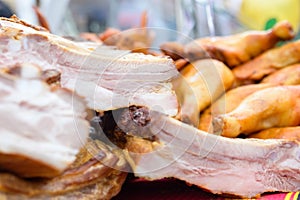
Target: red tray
172,189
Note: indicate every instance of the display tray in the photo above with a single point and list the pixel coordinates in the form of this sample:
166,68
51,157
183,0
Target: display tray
172,189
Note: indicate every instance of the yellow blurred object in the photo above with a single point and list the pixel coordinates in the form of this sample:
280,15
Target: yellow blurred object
257,13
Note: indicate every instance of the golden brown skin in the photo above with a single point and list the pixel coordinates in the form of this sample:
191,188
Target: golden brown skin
269,62
173,49
228,102
272,107
202,82
180,64
291,133
240,48
287,76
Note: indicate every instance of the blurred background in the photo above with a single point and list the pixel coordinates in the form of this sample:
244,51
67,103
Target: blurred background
192,18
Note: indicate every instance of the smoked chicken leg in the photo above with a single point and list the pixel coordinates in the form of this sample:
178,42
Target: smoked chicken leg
287,76
268,62
232,98
272,107
201,83
228,102
232,50
240,48
291,133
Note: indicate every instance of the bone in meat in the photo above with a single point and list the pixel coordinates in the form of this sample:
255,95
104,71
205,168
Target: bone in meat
242,167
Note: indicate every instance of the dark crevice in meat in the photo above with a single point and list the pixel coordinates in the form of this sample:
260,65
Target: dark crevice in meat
103,127
115,126
140,115
51,76
133,120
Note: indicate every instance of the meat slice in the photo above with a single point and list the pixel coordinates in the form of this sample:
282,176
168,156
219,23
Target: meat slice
242,167
106,77
42,128
97,173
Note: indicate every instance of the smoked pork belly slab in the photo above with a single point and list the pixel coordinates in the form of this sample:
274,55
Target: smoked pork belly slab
41,128
241,167
97,173
106,77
